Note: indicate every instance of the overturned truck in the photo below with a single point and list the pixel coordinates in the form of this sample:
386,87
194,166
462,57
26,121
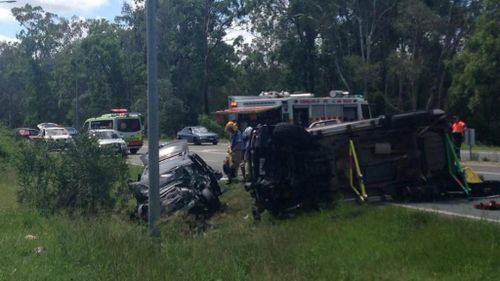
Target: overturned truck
405,157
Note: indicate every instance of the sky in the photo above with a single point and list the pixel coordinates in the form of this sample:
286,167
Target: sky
108,9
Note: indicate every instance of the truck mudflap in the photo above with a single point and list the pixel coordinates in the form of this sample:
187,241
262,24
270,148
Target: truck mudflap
406,157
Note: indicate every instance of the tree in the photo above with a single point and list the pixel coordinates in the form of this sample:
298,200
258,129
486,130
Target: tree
476,83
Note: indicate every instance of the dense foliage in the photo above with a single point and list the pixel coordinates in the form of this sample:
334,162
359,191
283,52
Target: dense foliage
401,54
8,146
81,177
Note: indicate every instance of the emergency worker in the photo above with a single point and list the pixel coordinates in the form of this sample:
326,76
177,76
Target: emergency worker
234,150
457,133
245,165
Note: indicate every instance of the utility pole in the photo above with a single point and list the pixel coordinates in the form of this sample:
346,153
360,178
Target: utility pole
77,121
153,123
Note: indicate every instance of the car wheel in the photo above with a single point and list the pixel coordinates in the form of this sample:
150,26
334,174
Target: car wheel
215,142
196,141
134,150
178,137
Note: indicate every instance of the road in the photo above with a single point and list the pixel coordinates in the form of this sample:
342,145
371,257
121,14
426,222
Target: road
214,155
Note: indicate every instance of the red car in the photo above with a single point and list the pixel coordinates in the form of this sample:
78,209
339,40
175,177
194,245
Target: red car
26,133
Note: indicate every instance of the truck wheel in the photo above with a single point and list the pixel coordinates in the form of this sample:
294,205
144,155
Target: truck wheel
134,150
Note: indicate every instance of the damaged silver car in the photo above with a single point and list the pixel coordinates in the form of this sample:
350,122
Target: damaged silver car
187,183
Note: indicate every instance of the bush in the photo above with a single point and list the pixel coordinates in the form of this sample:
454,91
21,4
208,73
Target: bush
8,146
82,177
212,125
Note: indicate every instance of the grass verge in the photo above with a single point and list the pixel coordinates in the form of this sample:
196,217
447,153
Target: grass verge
349,242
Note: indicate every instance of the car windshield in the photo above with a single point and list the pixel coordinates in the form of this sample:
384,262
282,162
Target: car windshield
105,135
101,124
128,125
200,130
56,132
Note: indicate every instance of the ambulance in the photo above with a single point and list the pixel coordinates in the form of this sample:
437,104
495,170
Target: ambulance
127,124
299,109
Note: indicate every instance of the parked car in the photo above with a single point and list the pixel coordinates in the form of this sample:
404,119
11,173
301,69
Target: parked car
26,133
111,139
55,133
72,131
198,135
56,137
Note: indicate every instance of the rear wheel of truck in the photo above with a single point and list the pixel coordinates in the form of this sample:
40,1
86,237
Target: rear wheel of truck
134,150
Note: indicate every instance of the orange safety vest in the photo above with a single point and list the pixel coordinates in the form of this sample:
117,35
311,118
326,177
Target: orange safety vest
458,127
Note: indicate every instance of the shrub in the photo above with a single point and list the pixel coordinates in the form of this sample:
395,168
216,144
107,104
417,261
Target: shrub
8,146
82,177
212,125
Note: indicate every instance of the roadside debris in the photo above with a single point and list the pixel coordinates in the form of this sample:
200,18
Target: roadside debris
30,237
187,183
39,250
406,156
492,205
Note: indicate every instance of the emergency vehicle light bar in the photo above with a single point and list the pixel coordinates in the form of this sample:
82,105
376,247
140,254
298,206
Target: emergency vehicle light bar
119,110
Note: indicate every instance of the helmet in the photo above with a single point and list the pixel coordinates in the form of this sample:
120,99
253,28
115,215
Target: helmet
231,126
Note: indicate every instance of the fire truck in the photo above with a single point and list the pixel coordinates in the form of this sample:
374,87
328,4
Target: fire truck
299,109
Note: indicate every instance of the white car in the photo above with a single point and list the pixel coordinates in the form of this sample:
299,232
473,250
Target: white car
56,134
110,138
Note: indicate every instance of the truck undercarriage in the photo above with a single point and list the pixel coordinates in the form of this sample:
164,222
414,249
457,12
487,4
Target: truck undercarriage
404,157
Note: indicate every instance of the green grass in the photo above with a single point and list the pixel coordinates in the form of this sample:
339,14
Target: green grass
8,185
480,147
349,242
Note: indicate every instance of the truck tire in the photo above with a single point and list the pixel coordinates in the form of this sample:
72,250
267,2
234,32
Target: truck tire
133,151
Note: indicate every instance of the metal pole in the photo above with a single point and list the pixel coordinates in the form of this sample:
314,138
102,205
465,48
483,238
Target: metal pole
153,127
470,143
77,121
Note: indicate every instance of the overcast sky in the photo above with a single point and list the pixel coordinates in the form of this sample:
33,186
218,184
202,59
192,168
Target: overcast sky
66,8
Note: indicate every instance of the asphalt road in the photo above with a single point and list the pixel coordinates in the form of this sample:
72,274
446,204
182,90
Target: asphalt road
461,207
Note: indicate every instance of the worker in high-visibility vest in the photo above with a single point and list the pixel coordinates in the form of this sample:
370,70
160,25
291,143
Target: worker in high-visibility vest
457,133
